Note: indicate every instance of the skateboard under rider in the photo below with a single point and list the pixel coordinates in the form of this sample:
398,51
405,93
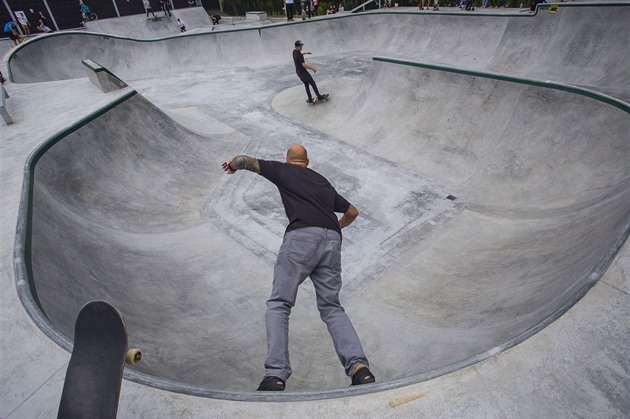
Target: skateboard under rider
324,98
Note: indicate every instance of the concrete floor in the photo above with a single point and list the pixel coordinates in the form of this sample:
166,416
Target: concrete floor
542,210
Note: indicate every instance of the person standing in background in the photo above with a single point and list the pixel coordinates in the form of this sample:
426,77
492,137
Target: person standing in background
148,8
288,5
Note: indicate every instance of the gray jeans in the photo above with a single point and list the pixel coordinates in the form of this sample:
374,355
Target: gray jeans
314,252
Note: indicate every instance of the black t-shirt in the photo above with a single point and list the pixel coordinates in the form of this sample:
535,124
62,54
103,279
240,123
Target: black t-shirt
309,199
298,59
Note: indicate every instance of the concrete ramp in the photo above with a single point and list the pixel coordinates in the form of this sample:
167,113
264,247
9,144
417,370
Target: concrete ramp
143,27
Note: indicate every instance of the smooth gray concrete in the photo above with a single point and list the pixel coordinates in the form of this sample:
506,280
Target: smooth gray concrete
101,77
133,207
141,26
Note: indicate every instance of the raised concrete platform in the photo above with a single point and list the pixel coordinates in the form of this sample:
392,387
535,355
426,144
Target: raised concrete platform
256,16
102,77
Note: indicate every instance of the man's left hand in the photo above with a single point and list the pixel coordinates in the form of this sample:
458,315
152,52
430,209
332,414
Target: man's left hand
226,167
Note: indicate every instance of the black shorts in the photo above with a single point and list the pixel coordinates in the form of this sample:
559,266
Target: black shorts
12,36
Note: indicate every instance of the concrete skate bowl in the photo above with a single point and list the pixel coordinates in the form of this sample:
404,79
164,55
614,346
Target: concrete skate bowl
490,205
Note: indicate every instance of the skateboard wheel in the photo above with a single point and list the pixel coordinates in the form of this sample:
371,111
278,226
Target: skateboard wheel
133,356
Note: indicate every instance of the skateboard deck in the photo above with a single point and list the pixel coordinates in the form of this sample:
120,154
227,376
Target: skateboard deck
94,375
325,99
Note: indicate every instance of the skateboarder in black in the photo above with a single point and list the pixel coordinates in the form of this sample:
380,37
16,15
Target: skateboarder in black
301,68
311,248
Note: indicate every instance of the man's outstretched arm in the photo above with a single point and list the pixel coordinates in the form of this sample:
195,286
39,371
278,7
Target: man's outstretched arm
349,216
241,162
309,67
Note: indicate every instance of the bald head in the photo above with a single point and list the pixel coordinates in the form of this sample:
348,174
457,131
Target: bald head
296,154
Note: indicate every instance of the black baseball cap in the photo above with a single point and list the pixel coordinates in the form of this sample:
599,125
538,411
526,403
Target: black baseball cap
299,43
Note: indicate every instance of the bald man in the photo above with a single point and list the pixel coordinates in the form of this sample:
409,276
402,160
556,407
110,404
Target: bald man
311,248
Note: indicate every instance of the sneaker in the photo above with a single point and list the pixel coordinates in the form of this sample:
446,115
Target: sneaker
271,384
310,100
323,97
362,375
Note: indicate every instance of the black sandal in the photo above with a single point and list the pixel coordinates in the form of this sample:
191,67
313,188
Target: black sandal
271,384
363,376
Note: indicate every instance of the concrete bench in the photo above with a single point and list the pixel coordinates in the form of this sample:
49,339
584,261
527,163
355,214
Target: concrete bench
3,109
256,15
102,77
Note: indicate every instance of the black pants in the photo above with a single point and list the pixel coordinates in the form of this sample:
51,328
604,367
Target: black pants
307,79
289,11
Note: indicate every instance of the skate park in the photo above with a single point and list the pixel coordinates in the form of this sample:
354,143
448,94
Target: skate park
487,275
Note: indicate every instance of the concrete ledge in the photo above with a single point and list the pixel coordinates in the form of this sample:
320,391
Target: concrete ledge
3,109
256,15
229,20
102,77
